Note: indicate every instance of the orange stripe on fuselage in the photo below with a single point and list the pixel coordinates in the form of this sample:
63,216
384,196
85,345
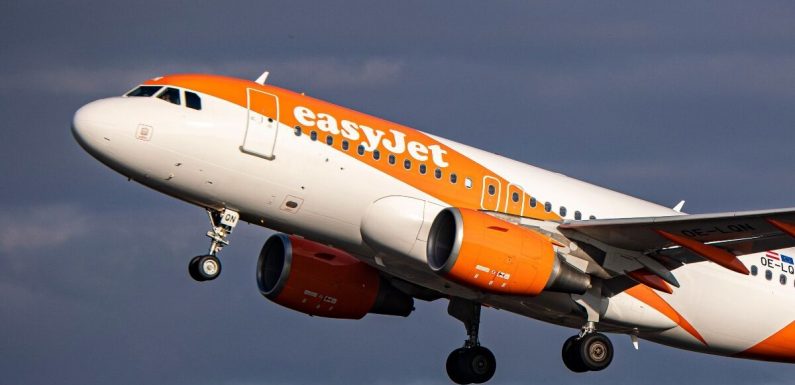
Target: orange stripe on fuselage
778,347
649,297
234,91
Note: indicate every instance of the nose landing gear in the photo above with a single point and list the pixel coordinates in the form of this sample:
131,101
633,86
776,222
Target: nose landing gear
208,267
588,351
471,364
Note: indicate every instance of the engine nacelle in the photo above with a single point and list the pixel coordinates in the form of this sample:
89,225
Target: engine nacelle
479,250
323,281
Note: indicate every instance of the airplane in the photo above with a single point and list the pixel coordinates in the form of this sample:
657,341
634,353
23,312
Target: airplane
372,215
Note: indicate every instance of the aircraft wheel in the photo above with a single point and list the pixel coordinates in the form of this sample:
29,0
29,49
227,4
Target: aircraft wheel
595,351
571,355
456,369
474,365
193,269
204,268
481,363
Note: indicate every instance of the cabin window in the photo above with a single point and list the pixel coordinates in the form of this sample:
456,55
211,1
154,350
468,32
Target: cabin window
407,164
192,100
360,150
768,275
592,217
345,145
329,140
467,182
548,207
376,154
313,135
577,215
492,189
533,202
782,279
423,169
754,270
453,178
515,197
392,159
562,211
297,130
437,173
144,91
170,95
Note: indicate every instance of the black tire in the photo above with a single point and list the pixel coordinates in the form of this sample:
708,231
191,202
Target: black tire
571,356
456,368
208,267
481,363
595,351
193,269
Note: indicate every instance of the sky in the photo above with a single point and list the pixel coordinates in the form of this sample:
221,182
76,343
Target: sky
662,100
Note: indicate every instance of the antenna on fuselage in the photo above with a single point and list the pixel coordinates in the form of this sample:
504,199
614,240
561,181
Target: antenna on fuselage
262,78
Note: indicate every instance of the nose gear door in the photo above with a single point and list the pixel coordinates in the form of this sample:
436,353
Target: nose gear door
262,122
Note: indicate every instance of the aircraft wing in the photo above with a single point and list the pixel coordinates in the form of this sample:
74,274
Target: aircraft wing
673,240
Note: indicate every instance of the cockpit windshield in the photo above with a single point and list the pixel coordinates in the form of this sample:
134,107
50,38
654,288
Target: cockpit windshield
169,94
144,91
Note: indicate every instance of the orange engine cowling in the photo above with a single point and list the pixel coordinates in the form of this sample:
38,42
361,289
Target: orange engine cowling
479,250
323,281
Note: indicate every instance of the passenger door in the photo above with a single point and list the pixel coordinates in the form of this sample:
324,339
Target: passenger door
262,122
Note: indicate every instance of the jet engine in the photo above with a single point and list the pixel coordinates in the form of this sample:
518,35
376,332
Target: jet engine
479,250
323,281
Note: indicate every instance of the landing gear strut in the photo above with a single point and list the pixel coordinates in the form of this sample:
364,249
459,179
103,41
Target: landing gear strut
588,351
471,364
208,267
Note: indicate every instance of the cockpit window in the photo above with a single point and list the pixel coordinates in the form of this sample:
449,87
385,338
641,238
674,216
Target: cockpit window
144,91
170,95
193,101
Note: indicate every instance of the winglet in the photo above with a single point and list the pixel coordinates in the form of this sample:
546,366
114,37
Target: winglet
262,78
679,206
712,253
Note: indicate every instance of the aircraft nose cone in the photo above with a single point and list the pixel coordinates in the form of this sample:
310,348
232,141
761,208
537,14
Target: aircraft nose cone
92,124
86,121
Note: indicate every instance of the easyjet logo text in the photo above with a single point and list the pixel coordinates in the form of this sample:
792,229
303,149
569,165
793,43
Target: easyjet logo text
370,138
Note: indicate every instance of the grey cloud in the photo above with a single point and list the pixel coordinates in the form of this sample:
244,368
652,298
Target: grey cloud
328,73
317,72
34,228
709,75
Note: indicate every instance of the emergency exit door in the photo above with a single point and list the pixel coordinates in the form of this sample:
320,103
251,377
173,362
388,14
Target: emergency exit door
262,122
490,197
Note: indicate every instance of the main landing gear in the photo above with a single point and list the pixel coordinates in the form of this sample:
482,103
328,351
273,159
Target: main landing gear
208,267
588,351
471,364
